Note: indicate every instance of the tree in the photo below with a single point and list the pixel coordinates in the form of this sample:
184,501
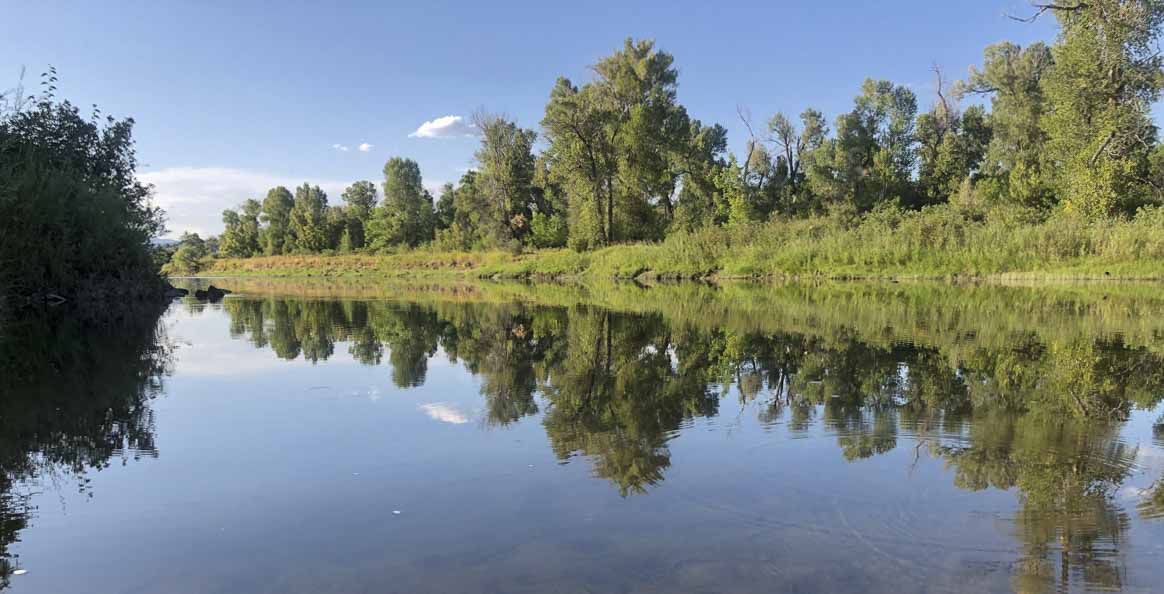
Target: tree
581,160
645,125
405,218
951,146
699,201
505,178
459,215
794,146
189,255
231,247
1014,163
73,217
549,226
240,238
614,145
309,224
872,158
445,209
1107,75
360,198
277,236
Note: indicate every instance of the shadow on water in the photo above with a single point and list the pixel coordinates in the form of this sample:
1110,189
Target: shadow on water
74,397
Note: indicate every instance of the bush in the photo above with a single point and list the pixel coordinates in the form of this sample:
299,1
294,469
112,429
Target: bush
73,218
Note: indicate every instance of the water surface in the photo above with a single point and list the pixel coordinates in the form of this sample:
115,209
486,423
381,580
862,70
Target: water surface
340,437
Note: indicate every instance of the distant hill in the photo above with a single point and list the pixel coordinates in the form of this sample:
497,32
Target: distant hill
158,241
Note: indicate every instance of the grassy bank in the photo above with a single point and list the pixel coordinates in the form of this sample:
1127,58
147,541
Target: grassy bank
938,242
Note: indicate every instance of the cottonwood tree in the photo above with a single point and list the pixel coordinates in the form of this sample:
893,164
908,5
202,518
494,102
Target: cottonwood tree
951,145
1107,75
872,157
277,237
360,198
405,218
505,178
309,223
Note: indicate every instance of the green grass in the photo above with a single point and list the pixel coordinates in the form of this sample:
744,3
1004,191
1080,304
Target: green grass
937,242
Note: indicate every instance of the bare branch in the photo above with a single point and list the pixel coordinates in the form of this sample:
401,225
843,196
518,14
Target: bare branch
1040,9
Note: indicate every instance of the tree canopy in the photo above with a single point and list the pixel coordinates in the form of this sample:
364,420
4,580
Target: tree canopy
1064,126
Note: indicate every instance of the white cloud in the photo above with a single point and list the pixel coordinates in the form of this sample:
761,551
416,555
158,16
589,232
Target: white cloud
342,148
445,127
365,147
445,413
194,197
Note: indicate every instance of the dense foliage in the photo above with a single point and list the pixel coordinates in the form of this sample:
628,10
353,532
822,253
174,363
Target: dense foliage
1068,131
73,218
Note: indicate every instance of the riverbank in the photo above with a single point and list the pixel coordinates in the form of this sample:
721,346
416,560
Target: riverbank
936,243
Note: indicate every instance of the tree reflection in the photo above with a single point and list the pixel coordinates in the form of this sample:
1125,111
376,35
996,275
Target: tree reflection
73,396
1066,474
617,385
1039,416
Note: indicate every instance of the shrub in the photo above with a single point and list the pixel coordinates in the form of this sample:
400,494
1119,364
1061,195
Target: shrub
73,218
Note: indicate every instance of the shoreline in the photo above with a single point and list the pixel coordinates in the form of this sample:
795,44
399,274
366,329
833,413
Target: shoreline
566,266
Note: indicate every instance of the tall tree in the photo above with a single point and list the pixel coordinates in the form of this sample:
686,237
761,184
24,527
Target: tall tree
699,201
613,145
951,145
872,158
405,218
1015,159
638,88
793,146
277,238
360,198
582,160
309,222
240,236
549,226
1106,78
460,215
505,178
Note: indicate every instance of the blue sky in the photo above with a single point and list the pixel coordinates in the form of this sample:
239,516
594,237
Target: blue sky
232,97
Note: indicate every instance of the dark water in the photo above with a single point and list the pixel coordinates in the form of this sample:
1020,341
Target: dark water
501,438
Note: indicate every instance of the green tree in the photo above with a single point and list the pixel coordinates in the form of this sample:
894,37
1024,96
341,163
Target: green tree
505,178
462,212
951,147
360,198
1014,167
405,218
699,201
240,238
73,217
615,143
637,88
794,146
582,160
309,221
872,158
1107,75
277,236
549,226
188,258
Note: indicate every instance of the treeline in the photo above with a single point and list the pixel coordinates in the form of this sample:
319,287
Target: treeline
1068,128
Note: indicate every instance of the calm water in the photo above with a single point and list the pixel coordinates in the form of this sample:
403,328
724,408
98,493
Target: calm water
505,438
